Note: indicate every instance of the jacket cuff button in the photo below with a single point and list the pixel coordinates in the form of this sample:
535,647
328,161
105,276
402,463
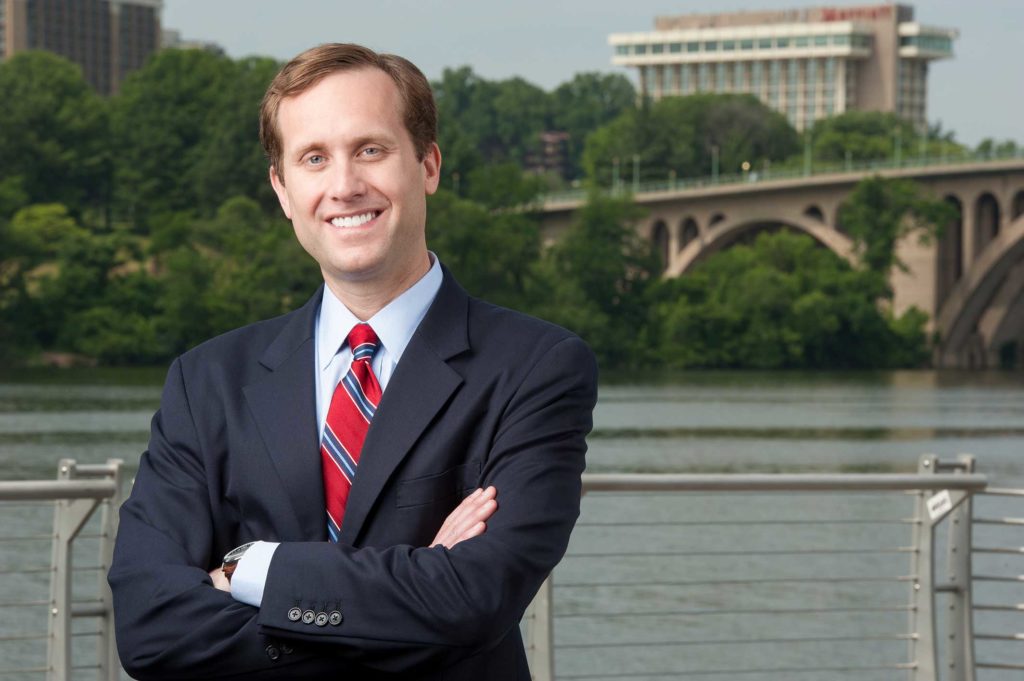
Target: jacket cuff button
335,618
273,653
308,617
295,614
321,619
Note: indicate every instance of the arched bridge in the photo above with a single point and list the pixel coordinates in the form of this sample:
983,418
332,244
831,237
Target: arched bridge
971,282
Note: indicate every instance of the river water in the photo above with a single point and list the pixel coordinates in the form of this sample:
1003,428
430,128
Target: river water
655,586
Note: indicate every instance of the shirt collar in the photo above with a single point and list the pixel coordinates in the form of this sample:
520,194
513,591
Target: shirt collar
394,324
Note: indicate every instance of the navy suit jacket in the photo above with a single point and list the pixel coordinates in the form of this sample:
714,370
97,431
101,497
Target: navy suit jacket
482,396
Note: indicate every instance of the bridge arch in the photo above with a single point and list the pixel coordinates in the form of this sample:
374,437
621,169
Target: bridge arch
728,232
984,308
688,232
814,212
1017,207
950,253
986,221
660,240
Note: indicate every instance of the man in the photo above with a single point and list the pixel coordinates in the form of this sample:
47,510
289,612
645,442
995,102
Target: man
353,463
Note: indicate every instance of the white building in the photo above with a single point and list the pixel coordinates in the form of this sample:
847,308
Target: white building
806,63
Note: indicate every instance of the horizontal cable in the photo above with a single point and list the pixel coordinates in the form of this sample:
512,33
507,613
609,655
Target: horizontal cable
748,552
998,578
999,637
698,523
87,633
752,580
744,611
752,641
1001,608
24,637
761,670
997,665
998,549
26,670
85,666
1002,492
999,521
25,570
28,537
23,604
780,482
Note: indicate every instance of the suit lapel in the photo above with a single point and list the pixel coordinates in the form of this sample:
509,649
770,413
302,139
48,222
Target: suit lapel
283,403
421,386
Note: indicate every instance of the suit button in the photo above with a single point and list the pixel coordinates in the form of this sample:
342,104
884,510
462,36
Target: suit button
334,618
286,649
273,653
321,619
295,614
308,617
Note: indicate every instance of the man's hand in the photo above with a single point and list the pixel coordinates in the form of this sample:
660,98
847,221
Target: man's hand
219,580
468,520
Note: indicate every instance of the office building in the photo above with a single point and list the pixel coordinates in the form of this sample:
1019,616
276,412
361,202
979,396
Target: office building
805,63
108,38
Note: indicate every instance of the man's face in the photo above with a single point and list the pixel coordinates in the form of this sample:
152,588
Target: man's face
352,185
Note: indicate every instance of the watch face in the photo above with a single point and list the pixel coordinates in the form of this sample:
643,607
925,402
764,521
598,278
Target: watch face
235,554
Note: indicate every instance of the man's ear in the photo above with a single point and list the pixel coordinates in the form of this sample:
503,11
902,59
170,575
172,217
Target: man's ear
282,194
432,168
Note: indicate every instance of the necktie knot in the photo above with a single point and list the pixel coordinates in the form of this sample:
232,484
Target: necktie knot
363,341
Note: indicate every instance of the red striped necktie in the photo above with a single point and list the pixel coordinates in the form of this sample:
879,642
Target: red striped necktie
352,407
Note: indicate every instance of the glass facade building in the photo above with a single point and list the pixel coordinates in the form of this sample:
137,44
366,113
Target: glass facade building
807,63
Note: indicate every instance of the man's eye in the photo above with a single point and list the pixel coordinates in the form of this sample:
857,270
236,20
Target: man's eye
372,151
315,160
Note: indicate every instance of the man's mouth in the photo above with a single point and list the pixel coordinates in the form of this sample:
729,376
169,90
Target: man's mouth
355,220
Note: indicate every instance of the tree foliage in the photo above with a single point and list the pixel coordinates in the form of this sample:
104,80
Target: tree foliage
682,135
880,212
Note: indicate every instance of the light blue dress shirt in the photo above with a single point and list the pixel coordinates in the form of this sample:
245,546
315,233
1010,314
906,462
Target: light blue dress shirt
394,324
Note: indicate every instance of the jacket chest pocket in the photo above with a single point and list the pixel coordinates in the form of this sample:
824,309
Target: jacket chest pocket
429,489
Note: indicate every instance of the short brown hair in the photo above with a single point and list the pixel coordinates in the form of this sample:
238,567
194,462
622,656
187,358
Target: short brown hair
315,64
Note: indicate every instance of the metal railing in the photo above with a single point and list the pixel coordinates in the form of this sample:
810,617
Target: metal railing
76,495
800,576
769,174
675,576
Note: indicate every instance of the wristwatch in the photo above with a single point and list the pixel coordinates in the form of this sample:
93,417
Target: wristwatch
232,557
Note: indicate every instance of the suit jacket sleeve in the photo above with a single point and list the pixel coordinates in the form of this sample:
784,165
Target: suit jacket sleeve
408,607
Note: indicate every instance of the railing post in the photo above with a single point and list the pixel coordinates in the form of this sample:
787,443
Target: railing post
540,635
68,517
922,594
960,652
106,652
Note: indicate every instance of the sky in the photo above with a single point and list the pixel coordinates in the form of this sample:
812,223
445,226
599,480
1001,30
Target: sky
977,94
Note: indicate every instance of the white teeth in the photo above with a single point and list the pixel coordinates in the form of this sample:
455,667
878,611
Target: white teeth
353,220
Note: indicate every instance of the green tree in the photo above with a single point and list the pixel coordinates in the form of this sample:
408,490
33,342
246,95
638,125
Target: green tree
53,136
490,253
584,104
161,126
782,302
230,161
682,135
880,212
594,280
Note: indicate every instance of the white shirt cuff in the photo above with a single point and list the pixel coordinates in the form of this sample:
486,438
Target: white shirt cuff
250,575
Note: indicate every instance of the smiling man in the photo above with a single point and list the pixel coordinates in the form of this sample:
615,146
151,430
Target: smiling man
350,457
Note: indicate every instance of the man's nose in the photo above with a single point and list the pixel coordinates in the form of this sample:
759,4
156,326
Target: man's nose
347,181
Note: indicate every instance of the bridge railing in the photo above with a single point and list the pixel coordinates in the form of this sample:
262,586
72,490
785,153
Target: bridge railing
771,577
749,576
84,500
769,173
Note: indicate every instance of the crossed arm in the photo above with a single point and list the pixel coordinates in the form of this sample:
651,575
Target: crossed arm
468,520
